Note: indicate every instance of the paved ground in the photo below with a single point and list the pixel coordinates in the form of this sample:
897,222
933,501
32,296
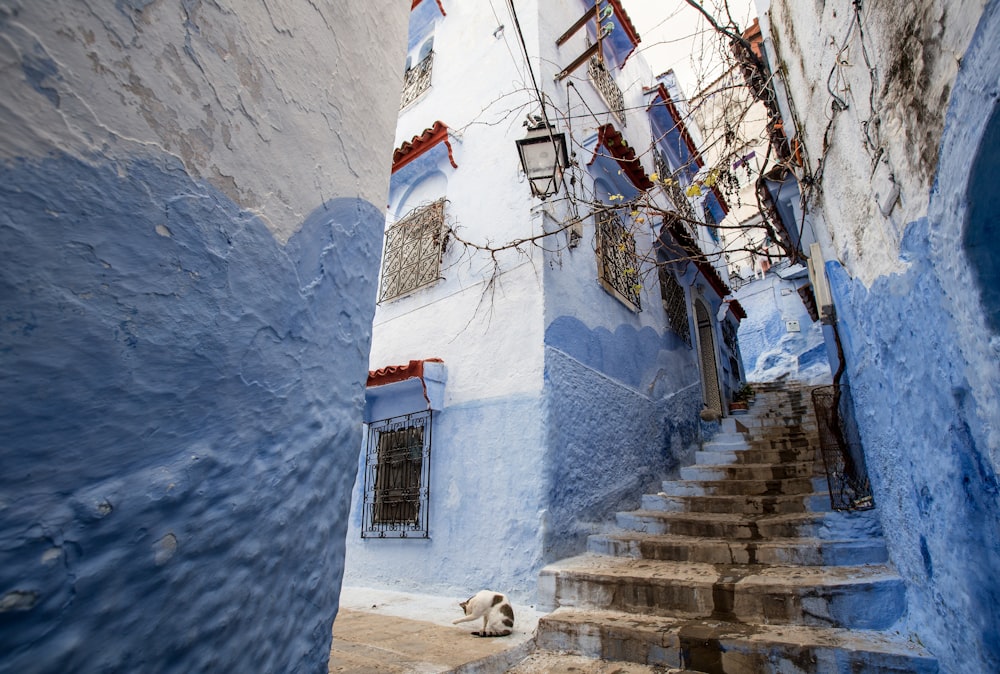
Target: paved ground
380,632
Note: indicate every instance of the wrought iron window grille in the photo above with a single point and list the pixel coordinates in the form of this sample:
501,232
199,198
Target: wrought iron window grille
675,304
605,83
397,477
417,80
675,191
413,250
729,337
618,264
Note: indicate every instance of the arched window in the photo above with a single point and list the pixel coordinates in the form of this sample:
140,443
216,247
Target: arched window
426,49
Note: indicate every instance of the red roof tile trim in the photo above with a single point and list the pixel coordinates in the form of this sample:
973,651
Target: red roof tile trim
627,25
410,150
417,2
722,202
738,311
663,95
688,243
611,139
394,373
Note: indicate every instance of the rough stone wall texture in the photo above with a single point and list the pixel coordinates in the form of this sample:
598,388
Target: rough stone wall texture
894,114
616,424
185,311
923,358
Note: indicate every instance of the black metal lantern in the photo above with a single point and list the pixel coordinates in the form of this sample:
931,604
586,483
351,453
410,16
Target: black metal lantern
544,159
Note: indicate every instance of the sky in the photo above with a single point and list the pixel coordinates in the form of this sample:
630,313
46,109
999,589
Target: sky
672,32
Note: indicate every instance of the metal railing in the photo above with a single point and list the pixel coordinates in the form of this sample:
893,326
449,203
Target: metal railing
417,80
840,445
605,83
397,477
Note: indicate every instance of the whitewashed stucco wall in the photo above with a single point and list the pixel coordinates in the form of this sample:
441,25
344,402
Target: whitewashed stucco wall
920,350
190,238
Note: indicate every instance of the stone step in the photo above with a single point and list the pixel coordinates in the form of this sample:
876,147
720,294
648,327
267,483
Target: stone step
710,456
788,441
856,597
834,525
718,647
748,505
749,471
776,551
558,662
795,485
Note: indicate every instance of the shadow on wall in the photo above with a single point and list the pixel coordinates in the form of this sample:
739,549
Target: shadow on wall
981,230
177,457
619,421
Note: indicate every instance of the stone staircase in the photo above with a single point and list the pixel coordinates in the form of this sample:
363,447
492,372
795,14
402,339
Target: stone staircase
739,567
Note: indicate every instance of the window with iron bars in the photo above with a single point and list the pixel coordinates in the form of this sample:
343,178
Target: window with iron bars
675,304
413,250
618,264
397,477
675,190
416,80
606,85
729,337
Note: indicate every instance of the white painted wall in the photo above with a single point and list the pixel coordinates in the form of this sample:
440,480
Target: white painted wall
109,102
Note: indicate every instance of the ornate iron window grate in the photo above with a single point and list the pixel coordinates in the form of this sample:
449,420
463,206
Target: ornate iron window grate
417,80
413,249
675,304
729,336
397,477
675,191
606,85
618,264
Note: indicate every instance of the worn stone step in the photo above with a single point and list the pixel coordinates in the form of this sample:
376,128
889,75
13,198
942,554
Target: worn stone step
857,597
718,647
749,471
749,505
834,525
776,551
710,456
795,485
785,441
727,440
558,662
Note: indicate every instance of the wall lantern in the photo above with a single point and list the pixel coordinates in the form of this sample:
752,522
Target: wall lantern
543,158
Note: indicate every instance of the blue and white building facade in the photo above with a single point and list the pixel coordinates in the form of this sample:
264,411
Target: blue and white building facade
906,227
553,356
191,206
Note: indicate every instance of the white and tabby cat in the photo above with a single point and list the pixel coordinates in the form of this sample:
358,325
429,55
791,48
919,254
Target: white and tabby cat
493,608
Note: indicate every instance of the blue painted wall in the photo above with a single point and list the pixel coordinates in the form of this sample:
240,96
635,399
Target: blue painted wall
935,487
486,508
608,442
921,348
770,351
180,420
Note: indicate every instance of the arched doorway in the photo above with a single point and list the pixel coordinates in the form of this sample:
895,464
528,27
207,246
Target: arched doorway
706,352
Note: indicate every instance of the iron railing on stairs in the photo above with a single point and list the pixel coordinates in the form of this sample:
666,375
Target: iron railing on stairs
840,445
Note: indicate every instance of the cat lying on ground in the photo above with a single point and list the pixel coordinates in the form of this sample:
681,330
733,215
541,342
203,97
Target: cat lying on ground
493,608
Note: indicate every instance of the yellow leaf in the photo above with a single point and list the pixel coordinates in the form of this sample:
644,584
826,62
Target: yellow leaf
694,190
